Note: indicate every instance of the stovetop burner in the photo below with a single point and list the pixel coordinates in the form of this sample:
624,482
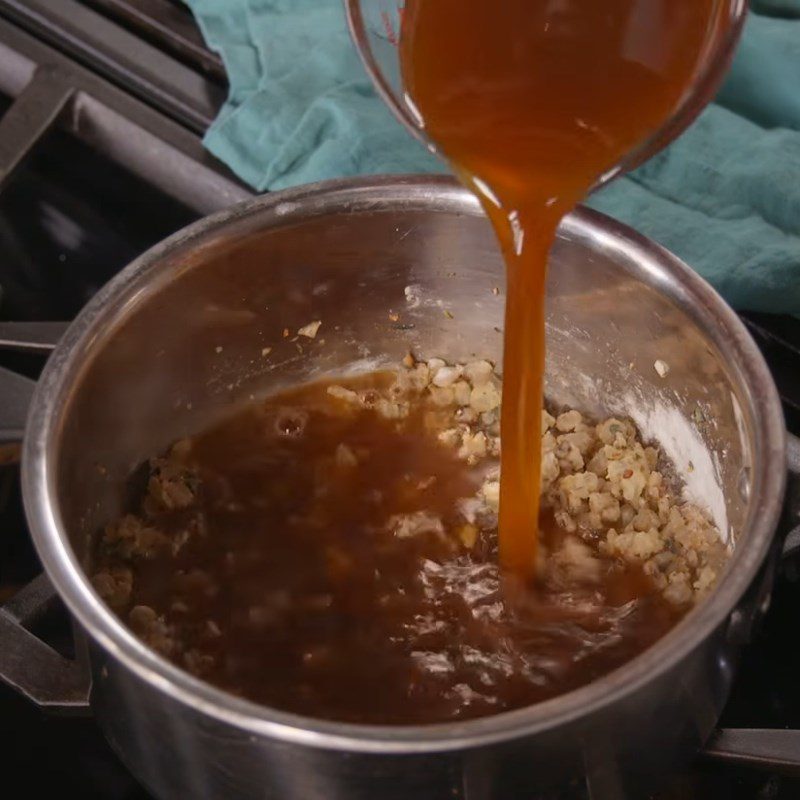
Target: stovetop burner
102,104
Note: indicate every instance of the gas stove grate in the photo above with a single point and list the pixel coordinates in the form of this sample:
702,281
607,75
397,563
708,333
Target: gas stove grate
131,82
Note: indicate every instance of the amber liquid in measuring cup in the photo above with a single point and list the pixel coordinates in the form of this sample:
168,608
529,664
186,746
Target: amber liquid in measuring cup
532,101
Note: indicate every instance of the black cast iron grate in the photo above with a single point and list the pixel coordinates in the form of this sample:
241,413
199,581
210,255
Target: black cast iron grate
105,99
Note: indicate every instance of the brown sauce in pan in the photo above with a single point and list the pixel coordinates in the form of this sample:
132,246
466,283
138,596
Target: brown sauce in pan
314,558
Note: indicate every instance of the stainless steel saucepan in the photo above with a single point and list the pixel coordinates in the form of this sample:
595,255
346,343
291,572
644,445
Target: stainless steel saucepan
176,339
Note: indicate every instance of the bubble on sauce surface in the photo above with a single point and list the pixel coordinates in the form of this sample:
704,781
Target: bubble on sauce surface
291,422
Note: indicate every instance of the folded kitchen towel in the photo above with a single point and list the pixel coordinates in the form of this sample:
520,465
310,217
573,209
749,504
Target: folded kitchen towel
725,196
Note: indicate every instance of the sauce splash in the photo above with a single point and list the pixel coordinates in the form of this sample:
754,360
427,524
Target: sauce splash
533,101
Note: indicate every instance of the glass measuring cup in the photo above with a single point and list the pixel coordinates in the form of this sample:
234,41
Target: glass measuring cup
375,30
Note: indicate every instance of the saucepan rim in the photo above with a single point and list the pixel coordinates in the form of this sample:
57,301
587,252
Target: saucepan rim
155,268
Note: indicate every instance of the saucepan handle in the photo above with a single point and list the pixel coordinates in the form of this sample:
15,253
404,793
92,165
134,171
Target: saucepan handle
746,618
774,750
27,664
791,541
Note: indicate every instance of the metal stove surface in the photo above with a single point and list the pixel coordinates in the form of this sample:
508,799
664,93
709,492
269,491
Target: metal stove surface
99,159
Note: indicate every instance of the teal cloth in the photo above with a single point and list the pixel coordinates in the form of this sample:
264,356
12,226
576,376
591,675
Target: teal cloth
725,197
